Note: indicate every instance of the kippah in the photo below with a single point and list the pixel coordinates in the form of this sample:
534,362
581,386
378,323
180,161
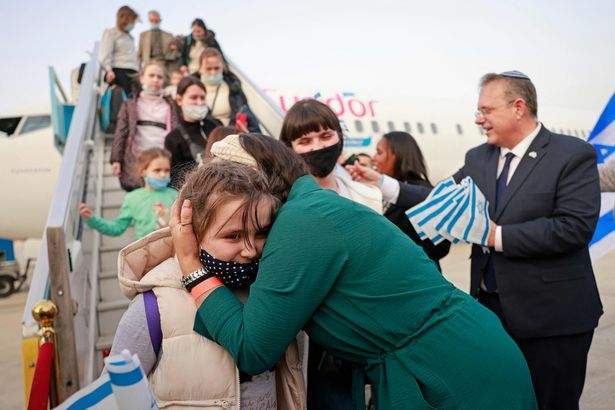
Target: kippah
514,74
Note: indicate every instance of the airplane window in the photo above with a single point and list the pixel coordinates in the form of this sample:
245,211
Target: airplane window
419,127
391,126
358,125
407,127
9,125
434,128
375,126
459,129
36,122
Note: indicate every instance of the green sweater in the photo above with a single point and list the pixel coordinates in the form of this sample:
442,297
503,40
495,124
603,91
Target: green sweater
356,284
138,210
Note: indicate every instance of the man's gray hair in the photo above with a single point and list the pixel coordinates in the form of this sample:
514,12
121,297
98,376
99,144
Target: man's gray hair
516,87
154,12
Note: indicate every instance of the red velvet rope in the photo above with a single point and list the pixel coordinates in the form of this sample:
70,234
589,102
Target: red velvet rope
39,394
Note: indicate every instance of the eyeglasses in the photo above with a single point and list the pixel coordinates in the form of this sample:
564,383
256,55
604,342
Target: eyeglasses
481,112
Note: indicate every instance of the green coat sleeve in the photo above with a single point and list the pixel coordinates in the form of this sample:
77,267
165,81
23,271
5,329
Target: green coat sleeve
301,261
114,227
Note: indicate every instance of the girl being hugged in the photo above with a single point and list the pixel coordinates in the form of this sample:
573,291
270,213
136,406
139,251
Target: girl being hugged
143,122
146,208
232,211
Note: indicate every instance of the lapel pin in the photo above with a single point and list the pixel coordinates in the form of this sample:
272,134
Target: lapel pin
532,154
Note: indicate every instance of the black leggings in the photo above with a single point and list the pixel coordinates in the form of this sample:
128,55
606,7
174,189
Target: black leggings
125,78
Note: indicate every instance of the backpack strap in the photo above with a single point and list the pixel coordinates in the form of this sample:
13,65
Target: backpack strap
152,314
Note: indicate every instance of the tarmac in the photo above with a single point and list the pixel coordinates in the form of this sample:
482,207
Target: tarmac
599,392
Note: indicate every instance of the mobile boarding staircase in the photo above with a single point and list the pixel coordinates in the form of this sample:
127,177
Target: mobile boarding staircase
77,267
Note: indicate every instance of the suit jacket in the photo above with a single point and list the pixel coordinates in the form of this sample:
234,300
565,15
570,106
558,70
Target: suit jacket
548,215
397,214
145,47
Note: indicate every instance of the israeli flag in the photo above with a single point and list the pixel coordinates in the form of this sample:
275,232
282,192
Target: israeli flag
122,387
453,212
602,138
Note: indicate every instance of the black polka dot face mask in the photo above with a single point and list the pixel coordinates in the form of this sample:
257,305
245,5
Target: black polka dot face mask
234,274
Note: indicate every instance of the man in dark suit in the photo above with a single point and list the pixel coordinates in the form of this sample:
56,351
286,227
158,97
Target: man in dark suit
544,200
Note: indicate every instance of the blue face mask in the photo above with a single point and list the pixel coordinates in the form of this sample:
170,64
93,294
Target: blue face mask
157,184
235,275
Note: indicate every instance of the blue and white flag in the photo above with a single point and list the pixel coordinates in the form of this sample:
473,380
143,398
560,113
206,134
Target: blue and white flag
602,138
122,387
453,212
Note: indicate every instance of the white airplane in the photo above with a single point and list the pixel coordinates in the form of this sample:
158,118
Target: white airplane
29,161
29,165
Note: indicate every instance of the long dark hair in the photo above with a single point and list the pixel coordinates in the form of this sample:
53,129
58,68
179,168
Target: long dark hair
409,162
280,164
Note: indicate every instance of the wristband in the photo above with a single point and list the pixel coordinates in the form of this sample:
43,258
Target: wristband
205,286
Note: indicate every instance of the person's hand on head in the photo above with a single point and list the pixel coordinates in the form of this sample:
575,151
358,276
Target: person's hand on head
117,168
85,211
184,240
364,174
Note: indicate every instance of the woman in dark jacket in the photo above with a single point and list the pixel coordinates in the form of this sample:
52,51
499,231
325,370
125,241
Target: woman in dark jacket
225,97
199,39
399,156
187,141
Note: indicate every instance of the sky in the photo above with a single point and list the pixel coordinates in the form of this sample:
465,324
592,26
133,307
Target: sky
396,49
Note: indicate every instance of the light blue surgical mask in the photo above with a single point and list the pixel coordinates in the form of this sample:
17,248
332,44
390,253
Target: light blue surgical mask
157,184
129,27
215,79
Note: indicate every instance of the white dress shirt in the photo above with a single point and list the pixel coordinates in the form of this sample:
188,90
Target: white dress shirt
519,151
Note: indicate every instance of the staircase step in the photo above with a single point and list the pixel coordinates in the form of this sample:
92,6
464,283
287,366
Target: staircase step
104,342
118,241
108,258
109,315
109,288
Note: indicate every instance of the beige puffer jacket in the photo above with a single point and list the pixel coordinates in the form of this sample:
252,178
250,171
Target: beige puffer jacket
192,371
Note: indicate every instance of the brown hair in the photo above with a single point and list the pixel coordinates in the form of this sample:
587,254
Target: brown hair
515,88
217,182
187,82
211,52
307,116
217,134
148,155
280,164
152,63
124,16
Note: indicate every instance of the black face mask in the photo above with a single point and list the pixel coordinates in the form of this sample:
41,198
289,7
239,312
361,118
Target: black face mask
322,161
235,275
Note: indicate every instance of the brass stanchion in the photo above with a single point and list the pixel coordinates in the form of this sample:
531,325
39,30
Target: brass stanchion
45,312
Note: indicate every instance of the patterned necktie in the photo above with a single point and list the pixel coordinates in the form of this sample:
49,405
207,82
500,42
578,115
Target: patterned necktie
500,189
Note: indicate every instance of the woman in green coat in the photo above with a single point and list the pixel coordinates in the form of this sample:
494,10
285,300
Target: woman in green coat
355,283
